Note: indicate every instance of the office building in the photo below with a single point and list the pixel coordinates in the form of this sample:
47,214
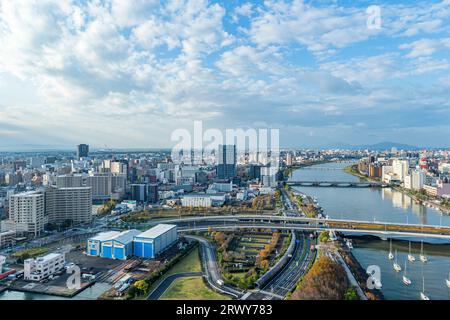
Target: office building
43,267
226,162
144,192
82,151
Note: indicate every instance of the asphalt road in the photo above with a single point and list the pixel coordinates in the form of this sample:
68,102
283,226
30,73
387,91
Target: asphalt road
289,276
212,269
165,284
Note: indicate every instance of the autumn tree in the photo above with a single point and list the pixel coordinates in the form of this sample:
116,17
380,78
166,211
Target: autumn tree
325,281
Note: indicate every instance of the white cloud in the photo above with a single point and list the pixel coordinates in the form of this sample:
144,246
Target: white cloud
425,47
155,65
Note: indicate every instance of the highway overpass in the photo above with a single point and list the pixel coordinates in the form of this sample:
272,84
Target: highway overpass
309,224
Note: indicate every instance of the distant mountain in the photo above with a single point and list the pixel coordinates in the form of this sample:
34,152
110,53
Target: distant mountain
388,146
378,146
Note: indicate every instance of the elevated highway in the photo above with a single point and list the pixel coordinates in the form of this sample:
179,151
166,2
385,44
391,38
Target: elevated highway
309,224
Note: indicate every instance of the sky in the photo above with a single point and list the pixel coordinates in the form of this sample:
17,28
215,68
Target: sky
126,74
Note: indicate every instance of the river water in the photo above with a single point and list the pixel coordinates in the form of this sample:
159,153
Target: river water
384,205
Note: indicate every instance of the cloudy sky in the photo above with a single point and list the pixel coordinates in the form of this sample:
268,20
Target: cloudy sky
127,73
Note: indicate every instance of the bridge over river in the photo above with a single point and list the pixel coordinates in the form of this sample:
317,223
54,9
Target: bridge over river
340,184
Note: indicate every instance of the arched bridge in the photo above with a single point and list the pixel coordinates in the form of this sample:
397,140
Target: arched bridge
341,184
312,224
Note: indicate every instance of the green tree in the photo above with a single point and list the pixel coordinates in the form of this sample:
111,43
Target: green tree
351,294
142,286
324,236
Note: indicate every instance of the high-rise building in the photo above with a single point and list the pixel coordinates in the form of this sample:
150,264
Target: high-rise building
289,159
400,168
152,193
417,179
27,212
70,181
138,192
144,192
226,162
68,204
106,185
82,151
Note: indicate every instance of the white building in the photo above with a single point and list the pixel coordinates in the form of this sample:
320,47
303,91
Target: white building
222,186
7,238
43,267
196,200
268,176
417,179
28,211
400,168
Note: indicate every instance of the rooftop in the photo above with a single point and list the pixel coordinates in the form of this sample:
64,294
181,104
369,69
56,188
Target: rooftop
48,257
156,231
126,237
104,236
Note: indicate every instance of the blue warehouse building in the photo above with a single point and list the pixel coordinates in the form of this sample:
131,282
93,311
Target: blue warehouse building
150,243
94,244
119,247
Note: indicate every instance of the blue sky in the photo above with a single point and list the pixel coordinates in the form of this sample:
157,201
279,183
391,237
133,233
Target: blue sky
128,73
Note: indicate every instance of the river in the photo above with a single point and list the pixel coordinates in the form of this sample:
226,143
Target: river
384,205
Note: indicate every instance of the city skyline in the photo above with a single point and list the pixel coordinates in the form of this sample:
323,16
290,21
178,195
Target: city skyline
125,76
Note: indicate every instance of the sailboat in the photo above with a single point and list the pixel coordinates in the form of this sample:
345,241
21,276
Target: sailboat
391,255
422,257
447,281
405,279
411,258
396,265
423,296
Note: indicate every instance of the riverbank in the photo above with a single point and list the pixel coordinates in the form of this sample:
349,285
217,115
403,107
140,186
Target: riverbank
52,290
428,203
359,273
353,171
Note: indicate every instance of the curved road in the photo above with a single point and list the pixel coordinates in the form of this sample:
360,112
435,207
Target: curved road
165,284
211,268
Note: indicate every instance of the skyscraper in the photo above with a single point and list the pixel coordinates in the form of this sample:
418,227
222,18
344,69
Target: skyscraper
82,151
226,162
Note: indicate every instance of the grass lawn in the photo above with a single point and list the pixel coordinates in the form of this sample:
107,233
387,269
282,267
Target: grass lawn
191,288
191,263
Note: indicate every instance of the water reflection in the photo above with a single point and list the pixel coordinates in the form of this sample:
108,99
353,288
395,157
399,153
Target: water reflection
385,205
